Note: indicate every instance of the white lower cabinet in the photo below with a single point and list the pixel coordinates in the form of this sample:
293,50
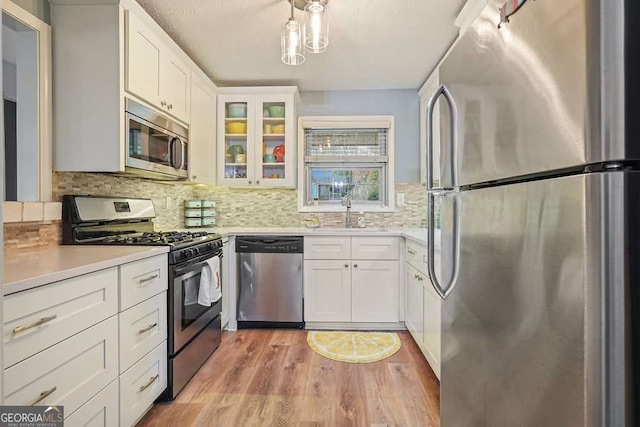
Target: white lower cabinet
67,373
327,291
414,312
100,411
142,328
374,291
141,384
432,327
351,279
422,306
65,344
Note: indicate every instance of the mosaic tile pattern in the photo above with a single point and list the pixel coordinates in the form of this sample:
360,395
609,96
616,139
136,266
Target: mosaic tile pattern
26,236
279,208
234,206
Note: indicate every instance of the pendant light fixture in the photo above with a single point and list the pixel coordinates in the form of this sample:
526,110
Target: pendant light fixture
316,26
292,41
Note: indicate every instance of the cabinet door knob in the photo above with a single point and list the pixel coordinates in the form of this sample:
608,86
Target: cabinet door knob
249,182
346,265
163,103
170,106
195,176
257,182
355,265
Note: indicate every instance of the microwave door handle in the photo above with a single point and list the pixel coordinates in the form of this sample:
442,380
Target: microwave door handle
170,144
183,154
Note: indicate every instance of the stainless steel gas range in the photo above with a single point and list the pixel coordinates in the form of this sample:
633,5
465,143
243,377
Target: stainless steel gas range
194,330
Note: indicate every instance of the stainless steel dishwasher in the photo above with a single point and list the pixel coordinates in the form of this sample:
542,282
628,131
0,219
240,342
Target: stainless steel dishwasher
269,281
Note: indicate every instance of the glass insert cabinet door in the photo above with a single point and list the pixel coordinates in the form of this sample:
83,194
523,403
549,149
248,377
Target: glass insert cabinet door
238,139
272,135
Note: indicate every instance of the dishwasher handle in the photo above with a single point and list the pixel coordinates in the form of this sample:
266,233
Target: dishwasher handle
270,245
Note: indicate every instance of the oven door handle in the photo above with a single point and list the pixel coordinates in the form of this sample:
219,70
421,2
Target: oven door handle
192,267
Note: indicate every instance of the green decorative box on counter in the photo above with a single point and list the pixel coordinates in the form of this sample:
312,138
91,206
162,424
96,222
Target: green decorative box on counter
199,213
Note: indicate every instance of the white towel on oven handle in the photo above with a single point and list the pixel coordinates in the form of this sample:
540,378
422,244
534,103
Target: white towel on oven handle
210,283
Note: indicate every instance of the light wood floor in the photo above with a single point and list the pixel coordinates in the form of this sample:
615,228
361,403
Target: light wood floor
272,378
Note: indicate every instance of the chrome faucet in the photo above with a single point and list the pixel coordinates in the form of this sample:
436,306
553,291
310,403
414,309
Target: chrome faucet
348,214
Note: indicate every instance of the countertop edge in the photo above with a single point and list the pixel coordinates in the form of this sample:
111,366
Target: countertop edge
9,288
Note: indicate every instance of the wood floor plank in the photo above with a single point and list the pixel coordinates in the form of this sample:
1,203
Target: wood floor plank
350,396
270,369
272,378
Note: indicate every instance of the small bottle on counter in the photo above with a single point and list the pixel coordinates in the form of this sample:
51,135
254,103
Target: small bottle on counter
362,223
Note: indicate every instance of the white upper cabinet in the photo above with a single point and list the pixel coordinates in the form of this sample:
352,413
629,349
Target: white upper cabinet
105,52
154,73
202,132
257,136
143,61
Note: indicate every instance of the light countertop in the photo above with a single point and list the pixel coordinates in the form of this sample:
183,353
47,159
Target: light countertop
35,268
417,234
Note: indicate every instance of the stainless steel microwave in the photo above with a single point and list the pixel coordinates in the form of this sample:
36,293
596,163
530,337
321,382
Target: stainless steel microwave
156,145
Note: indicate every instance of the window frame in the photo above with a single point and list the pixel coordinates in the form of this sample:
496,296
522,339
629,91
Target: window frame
347,122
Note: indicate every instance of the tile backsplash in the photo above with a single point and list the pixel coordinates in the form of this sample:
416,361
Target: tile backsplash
234,206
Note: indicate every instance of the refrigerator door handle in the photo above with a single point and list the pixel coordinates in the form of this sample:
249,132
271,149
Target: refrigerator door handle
433,192
442,291
453,112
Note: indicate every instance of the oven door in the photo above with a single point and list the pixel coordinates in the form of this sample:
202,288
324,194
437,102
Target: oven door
187,317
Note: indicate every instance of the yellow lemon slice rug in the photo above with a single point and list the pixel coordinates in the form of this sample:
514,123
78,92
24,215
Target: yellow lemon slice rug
354,347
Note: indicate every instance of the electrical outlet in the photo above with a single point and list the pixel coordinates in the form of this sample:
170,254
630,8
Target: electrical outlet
400,199
169,203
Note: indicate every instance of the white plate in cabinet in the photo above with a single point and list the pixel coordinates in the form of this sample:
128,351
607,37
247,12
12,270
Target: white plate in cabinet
327,247
41,317
142,279
100,411
374,291
379,247
142,328
142,384
69,373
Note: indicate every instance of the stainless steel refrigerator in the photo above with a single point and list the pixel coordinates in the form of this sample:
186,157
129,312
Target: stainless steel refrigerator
536,193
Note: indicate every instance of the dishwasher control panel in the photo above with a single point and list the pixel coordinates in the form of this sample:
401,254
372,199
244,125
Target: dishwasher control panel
270,244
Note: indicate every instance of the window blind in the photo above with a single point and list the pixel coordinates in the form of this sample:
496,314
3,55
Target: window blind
346,144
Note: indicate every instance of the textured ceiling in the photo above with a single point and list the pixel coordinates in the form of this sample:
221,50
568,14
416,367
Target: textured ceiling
373,44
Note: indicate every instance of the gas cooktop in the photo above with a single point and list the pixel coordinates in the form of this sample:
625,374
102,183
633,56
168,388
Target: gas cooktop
157,238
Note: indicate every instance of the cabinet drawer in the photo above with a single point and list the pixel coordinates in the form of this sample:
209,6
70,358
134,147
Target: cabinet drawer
76,303
373,248
142,328
100,411
141,280
416,255
142,384
327,247
73,370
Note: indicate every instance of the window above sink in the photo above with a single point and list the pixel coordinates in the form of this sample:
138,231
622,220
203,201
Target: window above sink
346,156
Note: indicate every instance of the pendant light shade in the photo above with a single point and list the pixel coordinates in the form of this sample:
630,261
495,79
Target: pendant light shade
316,26
292,42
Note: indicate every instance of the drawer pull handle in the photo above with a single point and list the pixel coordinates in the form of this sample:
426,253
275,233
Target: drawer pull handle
148,279
34,324
411,252
43,395
148,328
147,385
355,265
346,265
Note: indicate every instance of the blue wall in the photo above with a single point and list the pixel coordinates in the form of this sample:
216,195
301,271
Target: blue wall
404,104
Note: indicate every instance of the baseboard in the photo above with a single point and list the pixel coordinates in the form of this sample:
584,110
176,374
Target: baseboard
377,326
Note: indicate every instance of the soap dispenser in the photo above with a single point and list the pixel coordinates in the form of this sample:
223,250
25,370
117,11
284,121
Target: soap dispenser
362,223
